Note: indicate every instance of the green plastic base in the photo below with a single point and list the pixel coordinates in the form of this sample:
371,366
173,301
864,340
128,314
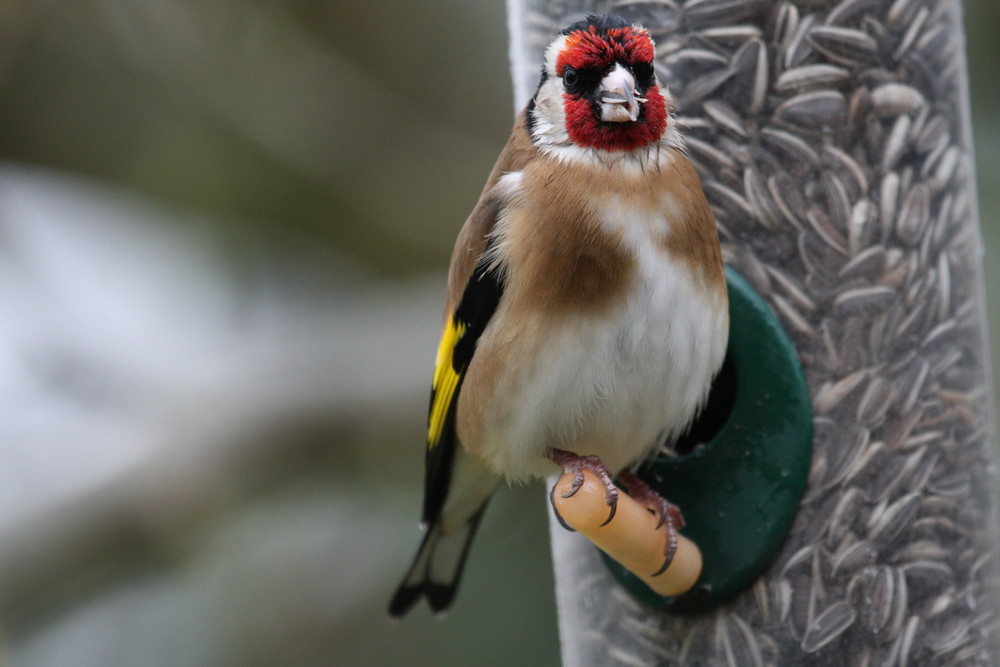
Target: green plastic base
740,491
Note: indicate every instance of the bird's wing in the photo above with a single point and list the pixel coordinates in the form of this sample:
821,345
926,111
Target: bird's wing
475,287
458,344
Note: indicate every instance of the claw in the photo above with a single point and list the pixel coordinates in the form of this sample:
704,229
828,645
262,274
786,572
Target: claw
575,465
562,522
669,515
611,514
575,486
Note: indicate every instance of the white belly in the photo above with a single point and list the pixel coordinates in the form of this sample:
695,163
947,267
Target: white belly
615,386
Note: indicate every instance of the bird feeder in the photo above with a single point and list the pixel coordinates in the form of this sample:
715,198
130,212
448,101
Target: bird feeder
833,142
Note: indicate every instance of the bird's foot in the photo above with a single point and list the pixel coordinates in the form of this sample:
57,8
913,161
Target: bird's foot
575,465
668,515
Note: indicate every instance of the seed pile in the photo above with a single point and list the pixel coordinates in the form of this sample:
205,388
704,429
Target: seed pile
832,141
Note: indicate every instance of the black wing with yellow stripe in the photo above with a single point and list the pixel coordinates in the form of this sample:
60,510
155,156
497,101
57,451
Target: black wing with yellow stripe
458,344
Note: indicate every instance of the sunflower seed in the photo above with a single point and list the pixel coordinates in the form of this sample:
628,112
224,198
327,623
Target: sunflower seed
853,175
797,48
716,157
695,59
901,12
753,270
864,300
703,86
731,34
879,586
947,636
813,110
933,133
791,145
828,625
894,519
831,394
758,92
791,288
786,24
845,46
904,645
740,645
912,30
765,210
954,484
896,99
895,143
846,513
928,576
729,198
848,10
853,558
888,192
700,13
868,262
827,230
726,117
809,77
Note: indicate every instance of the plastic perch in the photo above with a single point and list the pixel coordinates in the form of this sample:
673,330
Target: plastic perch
631,538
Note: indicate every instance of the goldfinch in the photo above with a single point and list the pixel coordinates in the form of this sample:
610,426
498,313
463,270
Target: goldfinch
586,310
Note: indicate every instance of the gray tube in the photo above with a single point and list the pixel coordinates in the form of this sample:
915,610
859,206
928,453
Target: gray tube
834,142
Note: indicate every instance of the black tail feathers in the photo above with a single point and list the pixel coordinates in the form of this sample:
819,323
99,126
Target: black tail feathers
437,568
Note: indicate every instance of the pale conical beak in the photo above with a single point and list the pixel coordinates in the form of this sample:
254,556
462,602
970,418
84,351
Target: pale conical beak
619,103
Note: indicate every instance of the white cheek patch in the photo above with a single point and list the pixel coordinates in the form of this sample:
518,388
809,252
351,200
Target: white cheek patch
550,115
552,54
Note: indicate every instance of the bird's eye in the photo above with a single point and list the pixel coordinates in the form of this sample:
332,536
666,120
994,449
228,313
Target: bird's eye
570,77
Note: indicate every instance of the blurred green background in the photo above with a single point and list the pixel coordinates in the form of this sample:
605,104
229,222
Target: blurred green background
224,228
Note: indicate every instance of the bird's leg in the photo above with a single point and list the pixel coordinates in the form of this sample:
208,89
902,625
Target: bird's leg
575,465
668,515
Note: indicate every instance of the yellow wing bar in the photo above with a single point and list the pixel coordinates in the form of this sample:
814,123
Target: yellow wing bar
445,381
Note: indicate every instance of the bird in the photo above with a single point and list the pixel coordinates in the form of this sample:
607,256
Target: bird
586,309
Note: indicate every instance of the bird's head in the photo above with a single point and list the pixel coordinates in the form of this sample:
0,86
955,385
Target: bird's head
598,89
